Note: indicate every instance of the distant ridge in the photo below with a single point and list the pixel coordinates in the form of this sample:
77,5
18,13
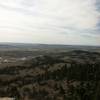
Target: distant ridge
31,46
37,44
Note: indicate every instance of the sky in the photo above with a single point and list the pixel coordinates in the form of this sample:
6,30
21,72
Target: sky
73,22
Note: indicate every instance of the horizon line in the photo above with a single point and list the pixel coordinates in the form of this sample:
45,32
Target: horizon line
48,44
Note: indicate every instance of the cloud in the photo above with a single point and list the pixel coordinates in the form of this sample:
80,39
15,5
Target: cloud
68,21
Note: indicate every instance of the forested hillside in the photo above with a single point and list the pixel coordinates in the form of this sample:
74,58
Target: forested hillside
73,75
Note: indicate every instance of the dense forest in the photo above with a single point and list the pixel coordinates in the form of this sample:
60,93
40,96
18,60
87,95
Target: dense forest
71,75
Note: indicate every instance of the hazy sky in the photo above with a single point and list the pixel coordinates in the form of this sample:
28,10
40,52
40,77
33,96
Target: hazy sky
50,21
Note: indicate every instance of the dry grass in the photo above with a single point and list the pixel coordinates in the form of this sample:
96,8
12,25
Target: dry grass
6,98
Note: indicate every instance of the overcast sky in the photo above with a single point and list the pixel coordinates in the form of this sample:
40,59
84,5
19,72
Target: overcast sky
50,21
